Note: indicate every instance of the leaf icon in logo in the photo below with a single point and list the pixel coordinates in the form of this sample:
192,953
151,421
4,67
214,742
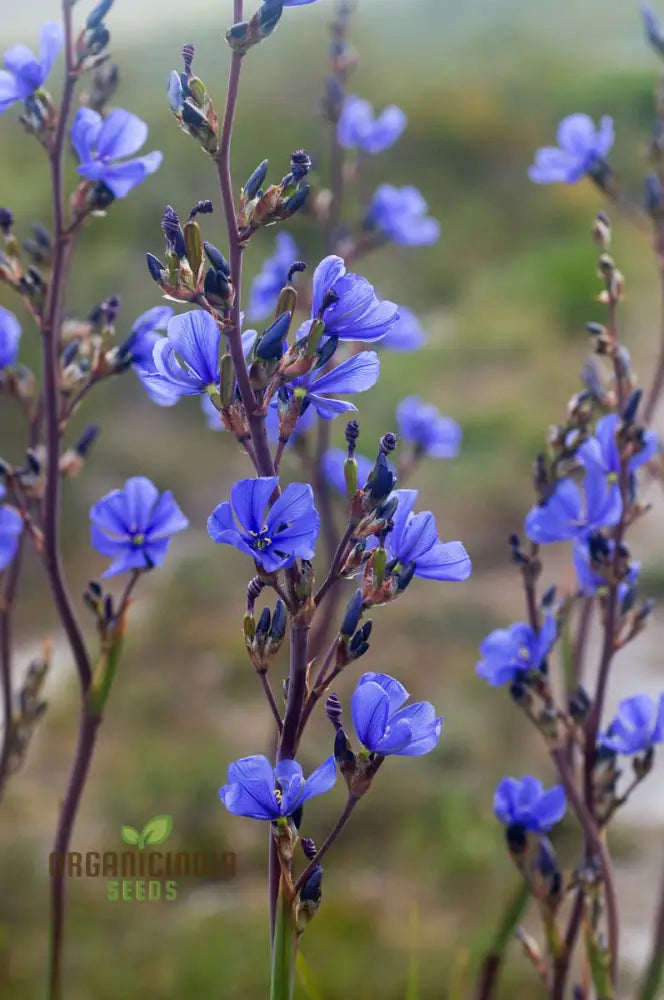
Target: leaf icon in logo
129,835
156,830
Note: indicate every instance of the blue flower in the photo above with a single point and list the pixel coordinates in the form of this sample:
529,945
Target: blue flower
358,128
525,803
566,516
653,28
10,334
139,347
101,142
258,791
590,579
275,539
581,148
24,73
332,465
134,525
638,725
406,334
401,214
186,361
266,286
384,727
414,538
601,451
356,374
508,652
347,303
423,426
11,526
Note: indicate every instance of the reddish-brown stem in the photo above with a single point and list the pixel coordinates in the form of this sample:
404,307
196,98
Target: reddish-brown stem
327,843
269,694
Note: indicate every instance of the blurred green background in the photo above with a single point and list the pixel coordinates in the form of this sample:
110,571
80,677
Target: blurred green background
414,889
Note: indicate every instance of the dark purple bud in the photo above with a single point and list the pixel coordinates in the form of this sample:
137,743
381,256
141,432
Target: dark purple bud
217,259
296,266
192,116
96,16
580,704
325,351
595,329
519,692
87,439
352,434
599,548
646,609
255,182
388,443
204,207
41,235
95,587
270,347
343,754
268,16
387,510
300,164
170,225
333,710
188,52
6,221
405,577
631,406
216,287
155,266
628,600
516,838
381,479
263,626
278,629
311,890
297,200
549,597
70,352
329,299
353,614
308,848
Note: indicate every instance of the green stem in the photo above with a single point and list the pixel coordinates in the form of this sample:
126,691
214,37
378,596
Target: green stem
493,959
284,951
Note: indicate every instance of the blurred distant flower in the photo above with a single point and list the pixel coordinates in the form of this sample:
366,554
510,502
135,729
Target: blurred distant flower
401,214
266,286
134,525
508,652
358,128
653,28
274,537
101,142
258,791
11,526
525,803
423,426
638,725
384,727
356,374
601,451
414,539
10,334
347,303
332,466
566,516
581,149
24,73
406,334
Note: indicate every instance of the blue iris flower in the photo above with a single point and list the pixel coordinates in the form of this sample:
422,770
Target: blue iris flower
134,525
24,73
414,538
273,276
401,214
581,147
568,514
638,725
406,334
358,129
258,791
275,537
347,304
508,652
424,427
11,526
10,334
384,727
525,803
101,144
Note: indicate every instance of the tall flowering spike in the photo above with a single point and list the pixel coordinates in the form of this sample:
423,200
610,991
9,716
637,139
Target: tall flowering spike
258,791
24,73
406,334
134,525
568,514
401,215
581,150
10,335
637,726
525,804
11,526
414,539
427,430
186,361
358,129
384,727
274,536
266,286
347,303
510,652
103,143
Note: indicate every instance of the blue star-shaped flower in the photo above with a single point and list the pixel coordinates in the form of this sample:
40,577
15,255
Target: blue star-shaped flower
581,147
384,727
24,73
102,144
638,725
258,791
524,803
508,652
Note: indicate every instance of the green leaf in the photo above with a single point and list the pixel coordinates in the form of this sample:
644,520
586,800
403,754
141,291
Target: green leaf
307,981
156,830
129,835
